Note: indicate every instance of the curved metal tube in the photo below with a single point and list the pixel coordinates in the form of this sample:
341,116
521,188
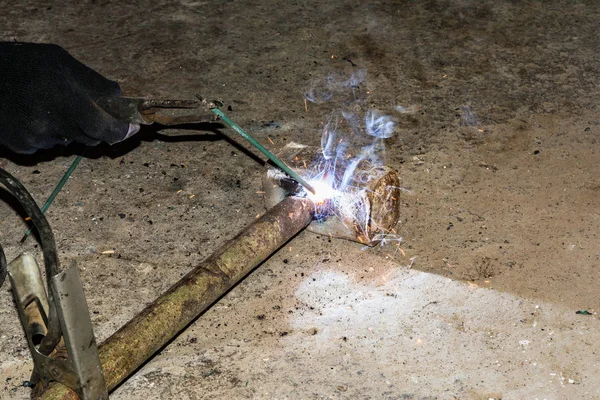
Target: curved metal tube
48,245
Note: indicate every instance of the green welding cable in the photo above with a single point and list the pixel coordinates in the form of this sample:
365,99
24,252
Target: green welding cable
263,150
55,192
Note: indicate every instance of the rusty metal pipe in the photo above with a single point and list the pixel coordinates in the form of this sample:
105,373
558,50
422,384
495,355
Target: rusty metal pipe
132,345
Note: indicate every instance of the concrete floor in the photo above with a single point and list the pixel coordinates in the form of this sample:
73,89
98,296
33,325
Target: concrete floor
496,144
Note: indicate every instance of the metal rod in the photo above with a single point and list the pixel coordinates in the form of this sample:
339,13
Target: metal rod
139,339
263,150
55,192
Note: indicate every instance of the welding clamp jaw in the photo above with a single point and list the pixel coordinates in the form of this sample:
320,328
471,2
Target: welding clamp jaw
57,324
162,111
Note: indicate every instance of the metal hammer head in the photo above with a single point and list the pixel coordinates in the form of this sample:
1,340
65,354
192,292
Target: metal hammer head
364,210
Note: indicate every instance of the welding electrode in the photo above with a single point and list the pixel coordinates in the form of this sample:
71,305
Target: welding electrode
263,150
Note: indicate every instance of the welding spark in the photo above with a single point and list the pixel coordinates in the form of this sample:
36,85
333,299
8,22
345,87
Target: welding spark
323,191
341,173
347,171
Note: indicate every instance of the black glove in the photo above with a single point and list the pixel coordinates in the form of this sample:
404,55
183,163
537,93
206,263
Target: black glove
47,98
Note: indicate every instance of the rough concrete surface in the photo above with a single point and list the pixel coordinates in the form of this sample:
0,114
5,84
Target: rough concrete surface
496,146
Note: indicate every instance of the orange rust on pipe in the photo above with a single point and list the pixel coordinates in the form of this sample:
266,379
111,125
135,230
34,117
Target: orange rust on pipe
139,339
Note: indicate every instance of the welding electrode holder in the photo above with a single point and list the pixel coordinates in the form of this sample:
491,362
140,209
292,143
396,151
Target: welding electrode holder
162,111
57,324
